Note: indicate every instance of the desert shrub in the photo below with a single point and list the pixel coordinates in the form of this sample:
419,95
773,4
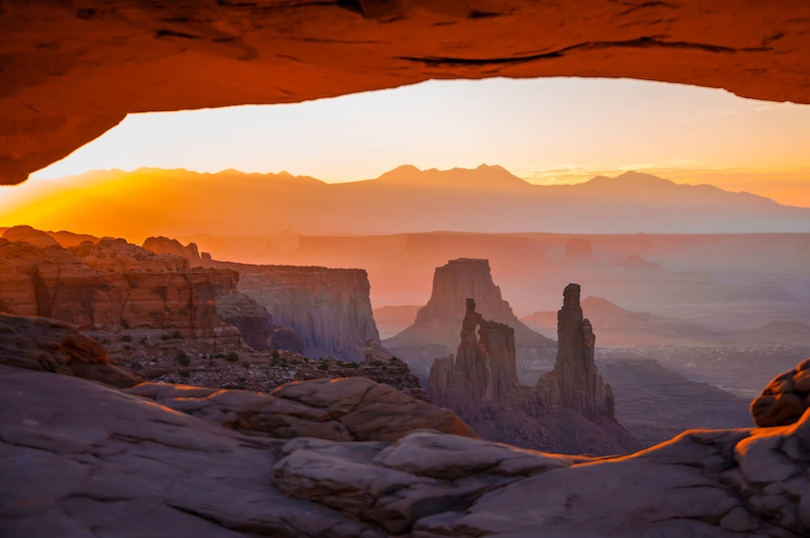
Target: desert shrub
184,373
210,362
276,354
126,338
183,359
219,356
241,379
176,335
233,356
323,366
246,364
352,365
165,337
376,363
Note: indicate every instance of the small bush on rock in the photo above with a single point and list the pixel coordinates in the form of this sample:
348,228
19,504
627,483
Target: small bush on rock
275,354
233,356
126,338
183,359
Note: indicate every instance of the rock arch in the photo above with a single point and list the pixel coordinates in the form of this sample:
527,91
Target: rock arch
70,71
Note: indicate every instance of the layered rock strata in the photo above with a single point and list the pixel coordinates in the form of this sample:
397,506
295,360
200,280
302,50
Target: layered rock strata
330,309
435,330
480,383
113,286
80,458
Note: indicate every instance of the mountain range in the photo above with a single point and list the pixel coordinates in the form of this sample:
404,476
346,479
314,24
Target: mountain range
406,199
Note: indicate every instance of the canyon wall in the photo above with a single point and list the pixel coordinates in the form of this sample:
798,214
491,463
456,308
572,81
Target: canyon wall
112,286
435,330
330,309
569,410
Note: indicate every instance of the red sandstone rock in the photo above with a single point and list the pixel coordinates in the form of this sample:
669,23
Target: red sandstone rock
112,285
49,345
164,245
72,72
785,399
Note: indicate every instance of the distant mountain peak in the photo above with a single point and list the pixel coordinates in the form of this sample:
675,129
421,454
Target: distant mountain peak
484,177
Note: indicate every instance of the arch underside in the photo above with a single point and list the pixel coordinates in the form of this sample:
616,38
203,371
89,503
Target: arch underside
69,72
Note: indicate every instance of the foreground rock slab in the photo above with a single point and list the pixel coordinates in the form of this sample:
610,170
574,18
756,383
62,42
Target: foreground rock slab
345,409
81,459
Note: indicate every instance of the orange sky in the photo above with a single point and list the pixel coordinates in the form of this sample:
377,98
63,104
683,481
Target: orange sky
548,131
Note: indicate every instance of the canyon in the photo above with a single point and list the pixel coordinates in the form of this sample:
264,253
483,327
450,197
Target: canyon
317,311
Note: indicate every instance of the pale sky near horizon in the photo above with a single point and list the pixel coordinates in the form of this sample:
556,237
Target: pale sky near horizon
527,126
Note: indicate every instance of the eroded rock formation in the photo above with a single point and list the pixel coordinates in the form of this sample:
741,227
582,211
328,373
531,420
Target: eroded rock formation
50,346
71,72
435,330
112,286
255,324
483,371
82,458
164,245
570,410
329,309
575,382
785,399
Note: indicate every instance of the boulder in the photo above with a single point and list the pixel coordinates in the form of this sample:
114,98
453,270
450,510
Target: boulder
785,399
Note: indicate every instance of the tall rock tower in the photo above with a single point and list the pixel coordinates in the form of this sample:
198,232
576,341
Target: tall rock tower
484,369
575,382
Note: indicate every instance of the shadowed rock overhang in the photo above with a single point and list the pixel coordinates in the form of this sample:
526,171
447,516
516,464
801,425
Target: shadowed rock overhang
69,71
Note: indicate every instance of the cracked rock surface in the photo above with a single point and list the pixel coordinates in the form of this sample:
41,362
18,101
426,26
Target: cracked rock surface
343,409
79,458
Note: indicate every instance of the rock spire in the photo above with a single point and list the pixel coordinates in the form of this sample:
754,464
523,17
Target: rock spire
575,383
484,368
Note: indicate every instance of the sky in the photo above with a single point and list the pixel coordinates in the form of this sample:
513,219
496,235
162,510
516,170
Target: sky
548,130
